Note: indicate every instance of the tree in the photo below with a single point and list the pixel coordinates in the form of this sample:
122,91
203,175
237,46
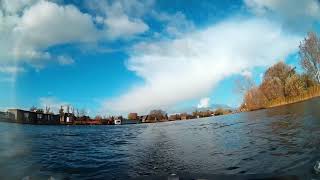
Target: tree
33,109
98,118
279,71
310,56
243,84
272,88
275,79
157,114
254,99
308,81
295,85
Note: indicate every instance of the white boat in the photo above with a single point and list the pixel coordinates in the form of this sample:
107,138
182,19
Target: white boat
117,122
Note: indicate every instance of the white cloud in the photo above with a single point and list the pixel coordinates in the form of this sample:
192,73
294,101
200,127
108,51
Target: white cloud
65,60
15,6
176,24
11,69
29,28
121,19
189,67
299,14
56,25
246,73
122,26
204,103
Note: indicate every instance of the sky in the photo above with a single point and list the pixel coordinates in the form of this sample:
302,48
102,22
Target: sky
118,56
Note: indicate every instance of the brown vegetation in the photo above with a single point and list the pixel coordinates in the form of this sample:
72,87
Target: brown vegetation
282,85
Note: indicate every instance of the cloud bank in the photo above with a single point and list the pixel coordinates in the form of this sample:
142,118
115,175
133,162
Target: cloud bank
204,103
189,67
29,28
296,14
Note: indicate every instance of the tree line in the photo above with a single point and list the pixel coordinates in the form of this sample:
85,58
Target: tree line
281,81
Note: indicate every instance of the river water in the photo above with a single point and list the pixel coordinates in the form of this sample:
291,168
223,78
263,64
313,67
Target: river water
282,140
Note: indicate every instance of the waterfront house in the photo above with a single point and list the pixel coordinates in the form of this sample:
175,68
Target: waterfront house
32,117
6,116
143,119
133,116
67,118
185,116
174,117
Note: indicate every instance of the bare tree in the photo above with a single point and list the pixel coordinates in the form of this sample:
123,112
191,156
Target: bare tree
33,109
295,85
158,114
83,112
272,88
310,56
280,71
254,99
243,84
275,79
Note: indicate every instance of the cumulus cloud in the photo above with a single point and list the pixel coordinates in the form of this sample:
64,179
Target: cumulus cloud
189,67
122,26
11,69
29,28
65,60
246,73
204,103
298,14
176,24
122,19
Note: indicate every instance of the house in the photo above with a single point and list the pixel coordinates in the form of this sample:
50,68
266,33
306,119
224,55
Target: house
6,116
185,116
174,117
67,118
133,116
144,118
32,117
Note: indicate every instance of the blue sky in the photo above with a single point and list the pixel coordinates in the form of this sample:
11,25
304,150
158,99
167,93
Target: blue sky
115,57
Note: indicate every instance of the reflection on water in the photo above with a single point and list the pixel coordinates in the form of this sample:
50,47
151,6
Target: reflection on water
283,140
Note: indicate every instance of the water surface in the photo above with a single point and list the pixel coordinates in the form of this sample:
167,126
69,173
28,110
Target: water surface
282,140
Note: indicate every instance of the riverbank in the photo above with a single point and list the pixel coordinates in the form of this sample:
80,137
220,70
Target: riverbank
310,93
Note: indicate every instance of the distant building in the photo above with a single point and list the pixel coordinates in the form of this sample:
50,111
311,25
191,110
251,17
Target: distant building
185,116
174,117
67,118
133,116
30,117
6,116
144,118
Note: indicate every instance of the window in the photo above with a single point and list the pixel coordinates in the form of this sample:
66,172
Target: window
39,116
26,115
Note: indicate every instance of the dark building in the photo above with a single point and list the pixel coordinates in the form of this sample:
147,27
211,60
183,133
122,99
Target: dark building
30,117
6,116
67,118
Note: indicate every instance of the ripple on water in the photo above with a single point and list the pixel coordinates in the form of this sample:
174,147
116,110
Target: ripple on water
284,139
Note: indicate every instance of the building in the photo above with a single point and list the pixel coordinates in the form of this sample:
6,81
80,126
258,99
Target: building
143,119
185,116
174,117
6,116
31,117
67,118
133,116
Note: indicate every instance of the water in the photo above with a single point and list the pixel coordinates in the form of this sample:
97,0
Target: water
283,140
